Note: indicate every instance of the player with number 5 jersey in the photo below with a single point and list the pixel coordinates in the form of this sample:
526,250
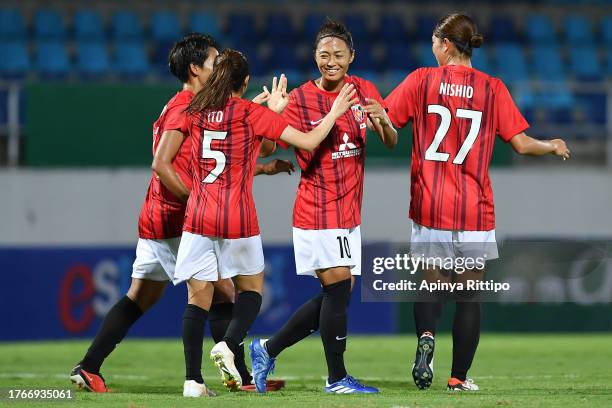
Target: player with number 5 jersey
456,113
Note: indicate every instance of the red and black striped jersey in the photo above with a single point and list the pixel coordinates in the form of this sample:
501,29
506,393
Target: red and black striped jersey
331,186
456,112
162,213
225,146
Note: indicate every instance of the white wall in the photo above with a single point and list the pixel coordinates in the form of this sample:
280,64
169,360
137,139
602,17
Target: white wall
100,207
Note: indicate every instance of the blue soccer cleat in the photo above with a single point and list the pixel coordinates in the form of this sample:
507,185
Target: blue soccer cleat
349,385
261,363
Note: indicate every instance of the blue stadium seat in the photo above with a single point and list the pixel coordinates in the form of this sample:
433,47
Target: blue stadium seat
584,62
88,26
364,57
14,59
480,60
510,63
92,59
606,31
256,64
546,62
52,59
594,105
399,58
205,23
126,25
49,25
165,26
392,29
578,30
284,58
502,29
425,25
12,26
608,64
425,57
312,24
539,29
130,59
279,28
357,25
241,28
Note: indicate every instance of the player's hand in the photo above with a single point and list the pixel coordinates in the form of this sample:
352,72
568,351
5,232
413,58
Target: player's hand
278,96
344,100
262,97
560,148
278,166
377,113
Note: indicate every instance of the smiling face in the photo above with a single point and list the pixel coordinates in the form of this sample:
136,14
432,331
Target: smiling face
333,57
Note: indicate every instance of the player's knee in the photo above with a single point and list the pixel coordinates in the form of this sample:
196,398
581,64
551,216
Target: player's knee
145,293
224,291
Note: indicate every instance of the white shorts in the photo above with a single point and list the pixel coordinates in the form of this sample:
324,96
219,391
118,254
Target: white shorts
155,259
431,242
328,248
210,258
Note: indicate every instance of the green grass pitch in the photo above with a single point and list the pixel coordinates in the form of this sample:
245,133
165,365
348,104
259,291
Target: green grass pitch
516,370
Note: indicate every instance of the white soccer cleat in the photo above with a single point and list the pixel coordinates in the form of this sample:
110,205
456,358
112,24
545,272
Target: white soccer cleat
223,358
458,385
193,389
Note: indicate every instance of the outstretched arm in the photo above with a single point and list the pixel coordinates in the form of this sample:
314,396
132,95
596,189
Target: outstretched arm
523,144
169,145
309,141
274,167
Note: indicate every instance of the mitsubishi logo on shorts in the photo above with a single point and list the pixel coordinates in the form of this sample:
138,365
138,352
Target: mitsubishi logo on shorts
346,149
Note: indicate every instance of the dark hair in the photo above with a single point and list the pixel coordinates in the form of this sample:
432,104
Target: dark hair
333,28
192,49
228,75
461,30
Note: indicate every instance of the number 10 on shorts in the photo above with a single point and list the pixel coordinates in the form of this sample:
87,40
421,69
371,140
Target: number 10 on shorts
345,248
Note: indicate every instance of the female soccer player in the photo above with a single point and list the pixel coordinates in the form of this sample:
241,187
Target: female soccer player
220,233
327,211
161,220
456,112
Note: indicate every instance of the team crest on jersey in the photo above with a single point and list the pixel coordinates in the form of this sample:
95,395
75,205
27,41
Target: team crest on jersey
358,113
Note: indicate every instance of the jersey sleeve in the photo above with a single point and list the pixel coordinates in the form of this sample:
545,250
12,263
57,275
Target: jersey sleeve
510,121
401,102
266,123
176,118
291,115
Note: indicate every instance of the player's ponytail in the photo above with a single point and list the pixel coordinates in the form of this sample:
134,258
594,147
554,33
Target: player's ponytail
230,70
461,30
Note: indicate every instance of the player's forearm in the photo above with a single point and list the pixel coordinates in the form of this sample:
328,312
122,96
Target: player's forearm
171,180
389,136
259,169
267,148
525,145
320,132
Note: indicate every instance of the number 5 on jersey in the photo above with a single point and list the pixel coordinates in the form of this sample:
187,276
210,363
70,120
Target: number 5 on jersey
216,155
432,152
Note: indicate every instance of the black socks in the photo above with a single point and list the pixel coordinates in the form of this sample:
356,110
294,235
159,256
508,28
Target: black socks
466,334
246,309
333,327
426,315
114,328
219,319
299,326
194,319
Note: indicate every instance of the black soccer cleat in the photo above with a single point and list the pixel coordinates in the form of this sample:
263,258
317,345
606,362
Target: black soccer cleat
422,369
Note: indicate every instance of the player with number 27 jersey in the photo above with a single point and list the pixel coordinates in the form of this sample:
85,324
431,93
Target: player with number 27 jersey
456,113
